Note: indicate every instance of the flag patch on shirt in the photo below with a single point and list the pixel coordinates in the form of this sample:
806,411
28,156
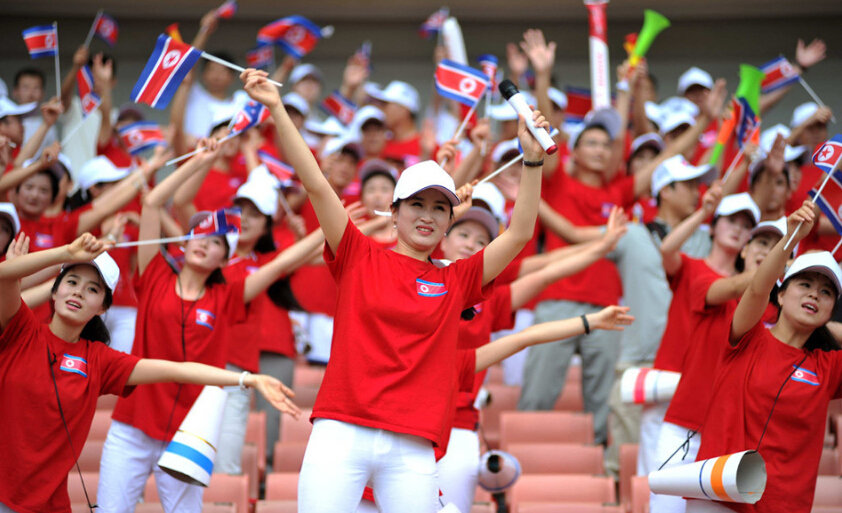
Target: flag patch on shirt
804,376
205,318
429,288
74,364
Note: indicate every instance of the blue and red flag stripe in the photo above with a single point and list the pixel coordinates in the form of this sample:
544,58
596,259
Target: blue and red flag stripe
337,105
85,84
74,364
488,65
260,57
41,41
140,136
429,289
746,121
803,375
219,222
827,156
433,24
106,29
205,318
227,10
281,170
296,35
459,82
252,114
579,103
164,71
779,73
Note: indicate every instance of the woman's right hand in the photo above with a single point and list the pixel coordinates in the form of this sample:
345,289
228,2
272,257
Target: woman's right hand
259,88
801,221
18,247
85,248
611,318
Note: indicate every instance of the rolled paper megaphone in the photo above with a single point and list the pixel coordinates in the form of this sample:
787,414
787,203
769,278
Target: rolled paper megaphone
653,24
648,386
498,471
451,32
737,477
190,454
749,88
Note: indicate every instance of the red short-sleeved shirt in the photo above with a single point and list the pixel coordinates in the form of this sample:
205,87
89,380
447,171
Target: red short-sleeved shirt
408,150
313,285
158,335
689,286
37,457
393,361
218,189
115,152
493,314
584,205
749,377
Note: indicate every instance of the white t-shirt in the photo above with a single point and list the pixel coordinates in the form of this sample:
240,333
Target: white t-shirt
200,108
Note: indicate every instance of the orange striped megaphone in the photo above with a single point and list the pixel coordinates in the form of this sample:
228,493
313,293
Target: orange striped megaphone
738,477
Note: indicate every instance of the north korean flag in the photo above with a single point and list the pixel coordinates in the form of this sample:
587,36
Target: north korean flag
459,82
779,73
429,289
295,34
337,105
74,364
166,68
85,83
205,318
252,114
140,136
830,202
827,156
41,41
282,171
106,29
220,222
227,10
488,65
260,57
579,103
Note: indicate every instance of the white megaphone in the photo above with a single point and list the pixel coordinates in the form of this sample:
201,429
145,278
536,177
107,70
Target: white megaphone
738,477
190,454
648,386
498,471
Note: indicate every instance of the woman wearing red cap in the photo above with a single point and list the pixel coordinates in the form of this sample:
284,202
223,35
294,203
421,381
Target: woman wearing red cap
390,384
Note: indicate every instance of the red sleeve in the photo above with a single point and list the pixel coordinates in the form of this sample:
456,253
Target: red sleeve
115,368
156,268
676,278
19,328
467,361
235,306
353,241
469,272
700,279
501,306
510,273
758,330
69,227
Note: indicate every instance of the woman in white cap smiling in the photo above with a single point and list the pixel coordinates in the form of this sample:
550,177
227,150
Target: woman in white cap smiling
390,384
773,386
52,374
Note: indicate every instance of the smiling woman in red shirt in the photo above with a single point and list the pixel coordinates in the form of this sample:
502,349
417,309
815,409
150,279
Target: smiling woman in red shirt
52,374
389,387
773,386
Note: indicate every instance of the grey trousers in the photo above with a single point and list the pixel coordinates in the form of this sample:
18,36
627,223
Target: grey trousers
546,365
281,367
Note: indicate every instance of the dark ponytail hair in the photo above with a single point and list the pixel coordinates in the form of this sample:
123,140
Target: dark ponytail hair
820,339
95,330
266,242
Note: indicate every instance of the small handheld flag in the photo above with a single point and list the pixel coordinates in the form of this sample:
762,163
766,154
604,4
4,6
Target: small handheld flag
579,103
363,54
284,172
488,65
830,201
434,23
461,83
252,114
227,10
779,73
85,84
296,35
260,57
105,27
342,108
164,71
140,136
41,41
220,222
746,121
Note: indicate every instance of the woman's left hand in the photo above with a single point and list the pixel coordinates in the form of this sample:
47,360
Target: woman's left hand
85,248
18,247
532,150
276,393
611,318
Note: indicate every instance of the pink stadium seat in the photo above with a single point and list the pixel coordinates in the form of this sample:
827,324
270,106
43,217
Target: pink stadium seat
74,487
106,402
256,434
288,456
276,506
282,486
305,396
639,494
503,398
570,398
829,463
248,462
558,458
562,488
628,468
100,425
545,426
565,507
157,507
307,376
828,491
495,375
223,488
296,430
90,456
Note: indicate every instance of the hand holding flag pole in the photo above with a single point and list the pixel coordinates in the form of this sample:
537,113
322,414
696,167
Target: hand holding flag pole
813,95
198,150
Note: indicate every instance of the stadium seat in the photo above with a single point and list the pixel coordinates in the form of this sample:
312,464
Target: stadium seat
502,398
483,508
305,396
90,456
307,376
74,487
288,456
565,507
570,398
296,430
207,507
558,458
256,434
276,506
545,426
639,494
628,468
495,375
100,425
282,486
223,488
248,463
828,491
106,402
562,488
829,463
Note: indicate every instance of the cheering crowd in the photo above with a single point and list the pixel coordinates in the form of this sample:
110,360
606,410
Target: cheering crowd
369,241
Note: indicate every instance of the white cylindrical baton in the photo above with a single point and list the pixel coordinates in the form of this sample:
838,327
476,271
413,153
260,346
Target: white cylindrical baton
500,169
213,58
90,36
58,71
166,240
510,92
813,95
598,39
818,193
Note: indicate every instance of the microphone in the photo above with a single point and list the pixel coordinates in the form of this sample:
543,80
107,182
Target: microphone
510,92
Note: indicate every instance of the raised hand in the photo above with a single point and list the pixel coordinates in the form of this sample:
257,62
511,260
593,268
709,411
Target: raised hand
49,155
540,53
51,110
481,132
465,195
85,248
517,62
801,221
809,55
712,198
356,212
712,107
532,150
775,159
209,22
356,72
103,72
259,89
18,247
822,115
276,393
615,228
611,318
447,151
80,56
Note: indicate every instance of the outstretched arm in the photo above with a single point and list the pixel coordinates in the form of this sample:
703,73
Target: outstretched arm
287,260
671,245
149,370
613,318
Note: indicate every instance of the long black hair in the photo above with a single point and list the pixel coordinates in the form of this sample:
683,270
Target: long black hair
95,330
820,339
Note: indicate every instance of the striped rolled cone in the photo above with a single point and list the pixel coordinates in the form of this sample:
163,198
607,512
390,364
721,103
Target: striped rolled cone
737,477
648,386
190,454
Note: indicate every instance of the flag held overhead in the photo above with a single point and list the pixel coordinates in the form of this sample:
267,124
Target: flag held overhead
140,136
296,35
105,27
778,73
41,41
85,83
461,83
252,114
164,71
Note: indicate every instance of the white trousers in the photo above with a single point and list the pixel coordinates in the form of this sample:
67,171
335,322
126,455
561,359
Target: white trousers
341,458
120,321
232,431
651,420
128,457
672,440
320,333
459,469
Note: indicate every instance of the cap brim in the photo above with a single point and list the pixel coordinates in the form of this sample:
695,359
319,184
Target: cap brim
483,217
450,195
824,271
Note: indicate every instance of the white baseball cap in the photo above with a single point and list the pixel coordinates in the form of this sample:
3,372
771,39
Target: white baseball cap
425,175
767,140
260,190
821,262
377,166
735,203
330,126
482,216
778,227
675,119
99,170
557,97
648,139
343,142
302,71
372,89
654,113
489,194
504,147
679,103
107,269
222,113
366,114
8,211
677,169
694,76
60,166
10,108
802,113
297,102
606,117
401,93
502,112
